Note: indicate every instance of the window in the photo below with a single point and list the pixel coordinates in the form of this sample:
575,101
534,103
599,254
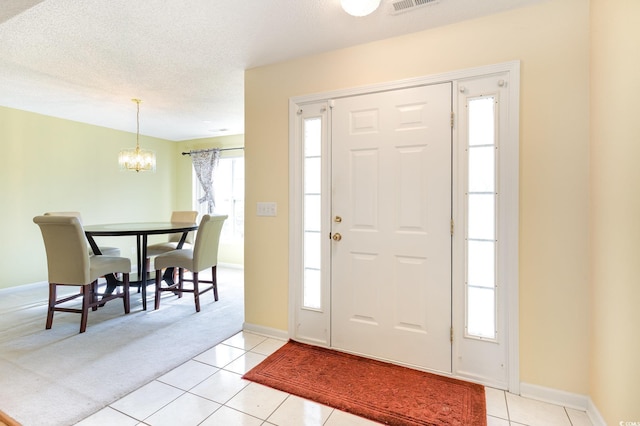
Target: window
310,276
228,192
481,218
312,128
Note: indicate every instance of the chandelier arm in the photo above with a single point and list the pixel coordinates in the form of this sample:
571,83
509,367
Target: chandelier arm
137,101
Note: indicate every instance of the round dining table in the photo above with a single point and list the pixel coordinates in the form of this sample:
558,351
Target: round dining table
141,230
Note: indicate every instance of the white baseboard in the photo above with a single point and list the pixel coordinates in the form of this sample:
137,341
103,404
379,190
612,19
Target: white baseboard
266,331
554,396
594,414
22,287
565,399
231,265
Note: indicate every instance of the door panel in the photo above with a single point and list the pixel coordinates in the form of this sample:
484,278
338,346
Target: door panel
391,182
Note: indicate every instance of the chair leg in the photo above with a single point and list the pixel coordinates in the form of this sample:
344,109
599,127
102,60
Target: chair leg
196,291
126,299
158,283
214,280
86,298
94,295
52,302
180,281
147,262
143,284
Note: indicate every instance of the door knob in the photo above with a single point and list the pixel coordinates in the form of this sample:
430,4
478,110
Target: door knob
337,237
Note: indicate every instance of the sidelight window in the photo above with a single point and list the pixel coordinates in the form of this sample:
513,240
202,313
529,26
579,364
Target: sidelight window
312,133
481,198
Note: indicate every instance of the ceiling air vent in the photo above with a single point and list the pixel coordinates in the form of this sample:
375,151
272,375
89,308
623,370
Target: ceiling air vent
401,6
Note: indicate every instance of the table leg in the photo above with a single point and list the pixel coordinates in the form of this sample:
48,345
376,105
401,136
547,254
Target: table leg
139,249
94,246
143,275
112,281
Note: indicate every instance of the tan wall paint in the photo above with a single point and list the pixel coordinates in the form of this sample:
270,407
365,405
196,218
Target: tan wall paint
615,209
228,253
49,164
552,41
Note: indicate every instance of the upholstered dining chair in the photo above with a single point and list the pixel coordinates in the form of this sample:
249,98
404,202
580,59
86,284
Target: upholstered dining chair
186,216
107,251
172,242
69,264
203,256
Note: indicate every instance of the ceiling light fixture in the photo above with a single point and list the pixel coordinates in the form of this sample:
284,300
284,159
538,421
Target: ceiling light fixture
359,7
136,159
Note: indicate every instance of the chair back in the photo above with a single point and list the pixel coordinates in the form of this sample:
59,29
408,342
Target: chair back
72,214
66,247
205,250
183,216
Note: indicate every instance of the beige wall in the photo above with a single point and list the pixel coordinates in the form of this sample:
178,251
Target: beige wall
615,209
49,164
230,253
551,40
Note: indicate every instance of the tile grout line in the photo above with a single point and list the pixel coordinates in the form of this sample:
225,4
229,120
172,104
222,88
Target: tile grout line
506,404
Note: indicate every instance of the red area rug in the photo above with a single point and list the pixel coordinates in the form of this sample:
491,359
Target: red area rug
379,391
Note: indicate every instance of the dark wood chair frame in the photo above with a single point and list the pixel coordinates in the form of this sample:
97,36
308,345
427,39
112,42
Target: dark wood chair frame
91,298
178,287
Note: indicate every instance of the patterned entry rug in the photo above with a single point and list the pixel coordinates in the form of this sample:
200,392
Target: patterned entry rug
382,392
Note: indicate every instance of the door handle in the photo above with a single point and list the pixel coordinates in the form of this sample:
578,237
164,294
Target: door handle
336,237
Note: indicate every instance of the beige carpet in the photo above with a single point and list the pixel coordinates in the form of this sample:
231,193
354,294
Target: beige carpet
58,376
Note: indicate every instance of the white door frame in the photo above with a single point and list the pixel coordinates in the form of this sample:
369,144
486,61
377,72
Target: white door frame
509,173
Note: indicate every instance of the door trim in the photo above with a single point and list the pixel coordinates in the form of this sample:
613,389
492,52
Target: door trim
510,194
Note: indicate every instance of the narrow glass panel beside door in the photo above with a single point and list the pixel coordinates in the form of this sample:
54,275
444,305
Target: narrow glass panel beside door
312,295
481,238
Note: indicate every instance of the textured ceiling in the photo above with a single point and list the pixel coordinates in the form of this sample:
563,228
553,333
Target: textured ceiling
84,60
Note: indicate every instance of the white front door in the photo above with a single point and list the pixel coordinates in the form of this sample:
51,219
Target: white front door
391,225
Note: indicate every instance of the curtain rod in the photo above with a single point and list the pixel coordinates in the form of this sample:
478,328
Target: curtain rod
213,149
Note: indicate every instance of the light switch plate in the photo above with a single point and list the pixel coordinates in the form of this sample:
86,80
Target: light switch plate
267,209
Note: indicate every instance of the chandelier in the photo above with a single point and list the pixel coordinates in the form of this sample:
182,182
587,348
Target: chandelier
359,7
137,159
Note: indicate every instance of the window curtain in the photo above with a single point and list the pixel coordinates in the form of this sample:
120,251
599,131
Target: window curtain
204,163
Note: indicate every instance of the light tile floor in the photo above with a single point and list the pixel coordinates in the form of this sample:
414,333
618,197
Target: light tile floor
208,390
